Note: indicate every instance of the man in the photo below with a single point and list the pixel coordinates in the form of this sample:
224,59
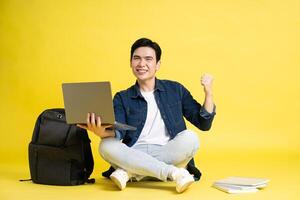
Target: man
161,147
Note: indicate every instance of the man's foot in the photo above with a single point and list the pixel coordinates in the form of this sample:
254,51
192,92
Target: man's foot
120,178
183,179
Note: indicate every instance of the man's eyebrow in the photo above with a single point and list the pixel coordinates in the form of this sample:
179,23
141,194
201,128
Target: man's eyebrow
148,57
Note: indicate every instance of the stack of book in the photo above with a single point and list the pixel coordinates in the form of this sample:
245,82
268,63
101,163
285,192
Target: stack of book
235,185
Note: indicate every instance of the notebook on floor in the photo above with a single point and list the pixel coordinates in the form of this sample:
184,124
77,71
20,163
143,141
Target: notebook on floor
235,185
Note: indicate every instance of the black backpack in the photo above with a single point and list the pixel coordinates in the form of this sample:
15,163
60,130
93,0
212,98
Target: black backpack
59,153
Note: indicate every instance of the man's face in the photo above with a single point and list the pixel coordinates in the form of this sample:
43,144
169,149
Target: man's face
143,63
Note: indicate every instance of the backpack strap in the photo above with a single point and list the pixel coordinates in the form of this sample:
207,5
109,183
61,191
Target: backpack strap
21,180
90,181
89,163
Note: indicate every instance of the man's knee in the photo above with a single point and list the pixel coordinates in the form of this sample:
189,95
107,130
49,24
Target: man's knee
191,140
108,147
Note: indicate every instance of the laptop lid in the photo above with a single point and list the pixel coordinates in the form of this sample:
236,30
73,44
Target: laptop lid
88,97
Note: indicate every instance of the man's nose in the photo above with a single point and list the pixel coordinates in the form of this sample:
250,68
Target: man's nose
142,63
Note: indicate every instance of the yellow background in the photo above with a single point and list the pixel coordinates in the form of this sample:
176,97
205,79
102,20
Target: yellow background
250,47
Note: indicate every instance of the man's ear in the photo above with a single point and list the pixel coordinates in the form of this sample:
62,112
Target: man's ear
157,65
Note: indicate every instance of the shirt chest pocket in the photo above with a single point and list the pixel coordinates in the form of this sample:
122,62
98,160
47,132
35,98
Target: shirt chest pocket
175,109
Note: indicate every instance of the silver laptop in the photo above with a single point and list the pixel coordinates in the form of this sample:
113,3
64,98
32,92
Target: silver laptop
90,97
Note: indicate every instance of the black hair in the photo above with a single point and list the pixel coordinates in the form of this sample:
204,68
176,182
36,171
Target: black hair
145,42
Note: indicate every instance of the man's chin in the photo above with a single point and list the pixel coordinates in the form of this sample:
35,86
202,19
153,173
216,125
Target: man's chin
143,78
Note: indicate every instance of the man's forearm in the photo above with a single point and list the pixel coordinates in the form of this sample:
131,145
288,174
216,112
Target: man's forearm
206,82
208,103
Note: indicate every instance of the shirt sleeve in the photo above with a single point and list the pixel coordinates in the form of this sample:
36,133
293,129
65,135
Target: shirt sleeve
120,115
205,114
194,112
118,134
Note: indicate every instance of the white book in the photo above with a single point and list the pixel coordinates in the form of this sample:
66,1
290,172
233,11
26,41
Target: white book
235,185
235,190
243,181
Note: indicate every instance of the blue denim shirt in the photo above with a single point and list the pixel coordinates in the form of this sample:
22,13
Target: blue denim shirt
174,102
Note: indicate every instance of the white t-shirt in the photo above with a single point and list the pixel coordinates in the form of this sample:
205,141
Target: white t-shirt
154,131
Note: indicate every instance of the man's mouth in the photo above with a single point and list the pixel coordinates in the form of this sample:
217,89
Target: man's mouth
141,71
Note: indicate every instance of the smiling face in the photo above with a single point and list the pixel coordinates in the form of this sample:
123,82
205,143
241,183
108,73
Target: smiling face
144,64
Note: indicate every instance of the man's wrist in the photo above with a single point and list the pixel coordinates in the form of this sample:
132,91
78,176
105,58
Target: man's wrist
208,94
107,133
111,133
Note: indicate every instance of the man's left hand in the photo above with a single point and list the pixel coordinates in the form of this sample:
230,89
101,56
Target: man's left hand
206,82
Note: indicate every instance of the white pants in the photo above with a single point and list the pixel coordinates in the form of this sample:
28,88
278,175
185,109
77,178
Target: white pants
150,159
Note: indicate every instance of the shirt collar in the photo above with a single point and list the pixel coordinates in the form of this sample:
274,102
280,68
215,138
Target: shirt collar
136,88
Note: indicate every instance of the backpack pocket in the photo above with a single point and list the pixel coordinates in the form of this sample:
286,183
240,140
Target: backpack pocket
52,132
49,165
